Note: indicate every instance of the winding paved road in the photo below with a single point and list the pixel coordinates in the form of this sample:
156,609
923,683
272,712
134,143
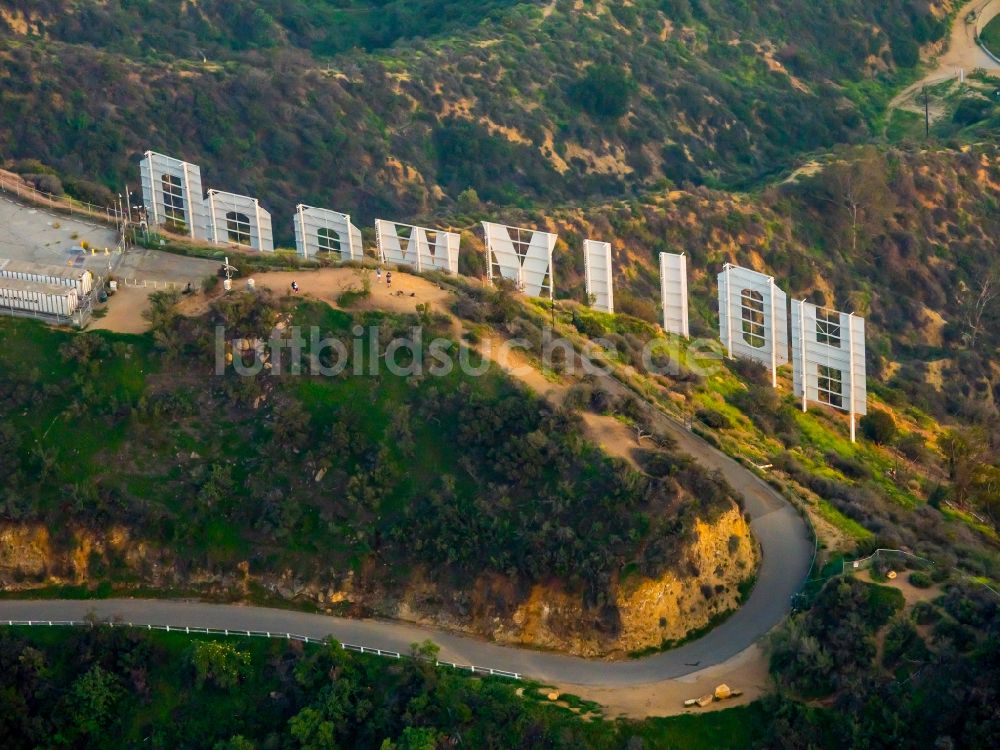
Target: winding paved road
786,556
962,52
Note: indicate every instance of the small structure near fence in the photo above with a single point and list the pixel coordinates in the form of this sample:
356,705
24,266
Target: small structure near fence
883,561
80,278
884,556
187,630
39,298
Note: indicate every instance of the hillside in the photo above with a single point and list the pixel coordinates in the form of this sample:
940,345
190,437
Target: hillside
522,103
919,263
346,493
526,505
917,258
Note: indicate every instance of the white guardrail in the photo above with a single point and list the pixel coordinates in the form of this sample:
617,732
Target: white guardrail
471,668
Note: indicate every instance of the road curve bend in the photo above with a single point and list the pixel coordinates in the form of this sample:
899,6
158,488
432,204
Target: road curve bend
786,551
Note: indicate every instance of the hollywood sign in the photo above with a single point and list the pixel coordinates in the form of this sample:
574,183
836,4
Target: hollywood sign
827,346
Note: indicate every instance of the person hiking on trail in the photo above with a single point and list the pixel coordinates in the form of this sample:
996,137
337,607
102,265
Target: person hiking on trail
378,275
388,278
295,287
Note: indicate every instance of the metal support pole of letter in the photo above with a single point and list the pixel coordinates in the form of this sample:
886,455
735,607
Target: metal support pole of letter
152,191
729,315
211,210
774,339
802,351
850,349
188,201
256,213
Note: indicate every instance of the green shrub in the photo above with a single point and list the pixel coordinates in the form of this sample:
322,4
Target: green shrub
914,447
925,613
920,579
902,642
971,109
878,426
905,52
714,419
88,191
45,183
603,91
351,297
940,574
883,603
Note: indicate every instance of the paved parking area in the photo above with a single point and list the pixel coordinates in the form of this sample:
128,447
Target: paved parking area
156,265
33,234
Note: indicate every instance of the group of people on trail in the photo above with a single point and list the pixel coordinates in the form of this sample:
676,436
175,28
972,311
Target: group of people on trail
378,277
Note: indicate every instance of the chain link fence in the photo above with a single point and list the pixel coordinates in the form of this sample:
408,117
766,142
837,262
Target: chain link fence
879,564
883,560
15,187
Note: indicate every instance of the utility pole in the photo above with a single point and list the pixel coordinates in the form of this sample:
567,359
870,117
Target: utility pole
927,115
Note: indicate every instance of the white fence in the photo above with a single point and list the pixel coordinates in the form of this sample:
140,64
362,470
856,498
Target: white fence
471,668
984,14
146,284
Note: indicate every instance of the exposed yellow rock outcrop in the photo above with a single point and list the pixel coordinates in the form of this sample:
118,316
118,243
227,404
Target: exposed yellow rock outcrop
29,557
25,552
642,613
649,611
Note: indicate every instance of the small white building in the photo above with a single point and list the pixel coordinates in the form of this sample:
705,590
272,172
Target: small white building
238,219
80,278
32,296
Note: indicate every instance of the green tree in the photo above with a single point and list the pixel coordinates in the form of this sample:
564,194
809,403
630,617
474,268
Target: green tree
92,700
220,663
468,200
236,742
986,492
313,731
603,91
418,738
858,187
878,426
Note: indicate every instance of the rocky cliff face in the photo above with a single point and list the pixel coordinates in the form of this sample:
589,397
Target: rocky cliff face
644,613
